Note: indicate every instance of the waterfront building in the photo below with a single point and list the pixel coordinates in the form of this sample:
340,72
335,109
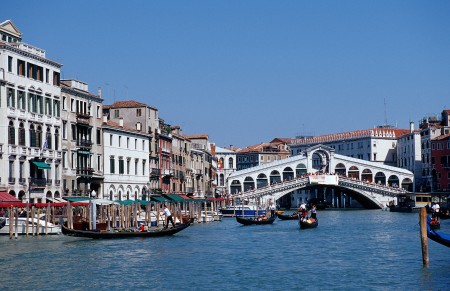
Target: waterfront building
181,147
440,162
165,156
376,144
82,142
30,120
263,153
226,164
409,152
126,170
143,118
203,171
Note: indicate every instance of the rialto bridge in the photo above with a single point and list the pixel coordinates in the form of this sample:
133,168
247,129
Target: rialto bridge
371,184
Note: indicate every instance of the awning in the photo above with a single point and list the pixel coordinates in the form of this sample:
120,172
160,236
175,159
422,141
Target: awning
42,165
175,197
79,199
187,198
6,197
159,199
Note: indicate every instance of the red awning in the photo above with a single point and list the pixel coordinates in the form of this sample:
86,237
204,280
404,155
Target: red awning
6,197
215,199
184,196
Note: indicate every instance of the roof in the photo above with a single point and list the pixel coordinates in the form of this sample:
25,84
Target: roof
127,104
6,197
198,136
373,132
442,137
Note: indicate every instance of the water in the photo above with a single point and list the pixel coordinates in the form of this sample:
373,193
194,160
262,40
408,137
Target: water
350,250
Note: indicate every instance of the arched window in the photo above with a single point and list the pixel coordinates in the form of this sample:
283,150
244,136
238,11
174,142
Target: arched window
56,139
11,133
21,134
48,139
39,136
32,136
230,163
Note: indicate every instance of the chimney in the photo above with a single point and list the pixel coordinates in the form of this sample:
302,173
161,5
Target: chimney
105,118
99,92
411,126
121,122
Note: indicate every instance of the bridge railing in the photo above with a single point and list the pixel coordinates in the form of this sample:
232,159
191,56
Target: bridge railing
371,187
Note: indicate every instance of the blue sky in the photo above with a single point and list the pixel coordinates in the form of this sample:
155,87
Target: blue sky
245,72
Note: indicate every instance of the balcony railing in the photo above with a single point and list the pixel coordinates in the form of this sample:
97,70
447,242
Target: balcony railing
84,143
84,171
38,182
155,172
11,180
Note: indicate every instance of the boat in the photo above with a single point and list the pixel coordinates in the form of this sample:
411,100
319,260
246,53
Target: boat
35,226
437,236
257,220
242,210
405,203
434,223
123,233
306,222
291,216
397,208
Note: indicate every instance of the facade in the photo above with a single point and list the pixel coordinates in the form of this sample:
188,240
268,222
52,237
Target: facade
263,153
203,171
165,156
440,163
408,152
82,146
226,164
181,146
142,118
374,145
30,120
126,171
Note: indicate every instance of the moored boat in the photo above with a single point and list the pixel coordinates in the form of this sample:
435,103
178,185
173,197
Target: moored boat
242,210
259,220
437,236
306,222
34,225
123,233
291,216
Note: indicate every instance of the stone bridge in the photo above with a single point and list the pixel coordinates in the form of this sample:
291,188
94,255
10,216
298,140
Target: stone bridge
372,184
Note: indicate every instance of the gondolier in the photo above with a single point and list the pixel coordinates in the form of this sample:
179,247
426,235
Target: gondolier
168,217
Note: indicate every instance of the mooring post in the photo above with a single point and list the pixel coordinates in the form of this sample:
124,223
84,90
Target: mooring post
424,236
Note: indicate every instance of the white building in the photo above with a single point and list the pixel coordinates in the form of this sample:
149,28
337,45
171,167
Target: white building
408,152
30,123
226,164
126,154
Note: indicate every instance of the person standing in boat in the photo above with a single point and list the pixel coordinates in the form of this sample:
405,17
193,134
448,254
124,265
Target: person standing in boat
168,217
272,209
435,210
313,212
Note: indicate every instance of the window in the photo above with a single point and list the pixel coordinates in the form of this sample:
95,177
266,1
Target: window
74,131
120,141
128,142
21,134
138,126
64,157
56,79
128,166
99,159
10,60
138,112
144,165
56,139
111,165
21,100
136,166
116,113
32,136
11,134
99,134
121,166
110,140
64,129
21,68
135,143
11,98
47,75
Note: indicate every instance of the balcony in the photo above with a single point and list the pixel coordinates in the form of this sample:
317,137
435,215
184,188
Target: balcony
84,143
155,172
38,182
85,171
167,172
11,180
83,118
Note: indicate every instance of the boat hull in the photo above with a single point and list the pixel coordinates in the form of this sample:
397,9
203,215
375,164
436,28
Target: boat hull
292,216
39,227
238,212
255,220
308,223
96,234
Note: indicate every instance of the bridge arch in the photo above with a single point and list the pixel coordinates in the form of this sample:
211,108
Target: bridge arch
288,174
380,178
300,170
407,184
393,181
261,181
235,187
340,169
353,172
367,176
249,183
275,177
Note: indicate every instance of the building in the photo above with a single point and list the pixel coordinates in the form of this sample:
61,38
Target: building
30,120
440,163
202,171
226,164
126,171
181,147
82,146
263,153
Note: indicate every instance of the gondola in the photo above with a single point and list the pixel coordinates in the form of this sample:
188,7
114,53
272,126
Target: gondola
435,223
308,223
437,236
255,220
292,216
96,234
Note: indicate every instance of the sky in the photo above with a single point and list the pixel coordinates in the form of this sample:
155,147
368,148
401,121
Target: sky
246,72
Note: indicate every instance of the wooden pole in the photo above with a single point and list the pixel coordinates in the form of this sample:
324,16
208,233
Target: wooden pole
424,236
28,219
11,222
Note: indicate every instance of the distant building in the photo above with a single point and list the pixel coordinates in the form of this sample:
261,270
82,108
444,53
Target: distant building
263,153
226,164
440,162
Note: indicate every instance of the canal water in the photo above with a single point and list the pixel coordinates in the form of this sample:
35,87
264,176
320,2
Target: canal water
350,250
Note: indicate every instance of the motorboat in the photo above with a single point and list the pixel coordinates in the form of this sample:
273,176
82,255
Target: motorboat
35,226
242,210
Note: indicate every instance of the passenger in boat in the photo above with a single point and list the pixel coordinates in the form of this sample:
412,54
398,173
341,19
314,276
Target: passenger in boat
168,217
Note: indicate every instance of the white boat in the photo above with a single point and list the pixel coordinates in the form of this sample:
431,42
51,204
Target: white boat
22,222
242,210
